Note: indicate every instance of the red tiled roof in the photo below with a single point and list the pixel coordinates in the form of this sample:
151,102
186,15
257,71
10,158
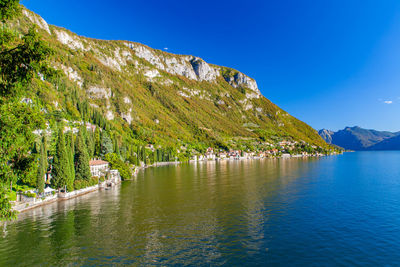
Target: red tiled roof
97,162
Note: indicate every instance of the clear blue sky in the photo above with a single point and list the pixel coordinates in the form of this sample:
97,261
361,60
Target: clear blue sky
331,63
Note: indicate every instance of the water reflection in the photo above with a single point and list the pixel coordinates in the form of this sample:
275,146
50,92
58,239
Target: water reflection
209,212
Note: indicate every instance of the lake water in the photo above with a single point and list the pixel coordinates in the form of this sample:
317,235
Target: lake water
338,210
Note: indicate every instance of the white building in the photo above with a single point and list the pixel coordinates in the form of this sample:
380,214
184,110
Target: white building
99,168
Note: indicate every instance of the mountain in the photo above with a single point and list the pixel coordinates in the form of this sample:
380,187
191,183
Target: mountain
326,135
148,94
356,138
387,144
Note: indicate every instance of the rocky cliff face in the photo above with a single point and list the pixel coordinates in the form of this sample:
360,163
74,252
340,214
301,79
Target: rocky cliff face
191,67
178,96
326,135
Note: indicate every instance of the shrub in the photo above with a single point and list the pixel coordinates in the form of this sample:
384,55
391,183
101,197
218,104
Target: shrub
80,184
33,195
117,164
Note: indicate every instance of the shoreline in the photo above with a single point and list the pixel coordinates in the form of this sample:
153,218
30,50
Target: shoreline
58,197
161,164
23,207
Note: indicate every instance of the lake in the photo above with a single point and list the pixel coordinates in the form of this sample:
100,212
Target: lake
336,210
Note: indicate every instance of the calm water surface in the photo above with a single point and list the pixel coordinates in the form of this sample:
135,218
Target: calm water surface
340,210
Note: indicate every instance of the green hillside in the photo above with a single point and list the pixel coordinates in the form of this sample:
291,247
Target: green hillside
150,96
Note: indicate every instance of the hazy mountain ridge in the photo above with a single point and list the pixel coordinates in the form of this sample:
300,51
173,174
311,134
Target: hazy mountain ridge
356,138
161,96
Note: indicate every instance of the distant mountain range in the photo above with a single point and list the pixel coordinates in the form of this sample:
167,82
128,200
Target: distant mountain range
356,138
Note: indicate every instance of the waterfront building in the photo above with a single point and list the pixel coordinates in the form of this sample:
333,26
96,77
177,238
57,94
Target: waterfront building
99,168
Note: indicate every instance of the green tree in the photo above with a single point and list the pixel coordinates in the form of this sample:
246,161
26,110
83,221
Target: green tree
106,144
71,152
61,173
9,9
116,146
138,156
71,168
97,142
42,169
21,58
143,156
82,168
90,144
117,164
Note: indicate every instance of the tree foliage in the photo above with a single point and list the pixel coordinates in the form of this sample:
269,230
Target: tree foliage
106,144
21,58
61,174
82,169
9,9
117,164
41,169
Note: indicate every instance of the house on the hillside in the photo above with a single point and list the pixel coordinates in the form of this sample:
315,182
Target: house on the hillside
99,168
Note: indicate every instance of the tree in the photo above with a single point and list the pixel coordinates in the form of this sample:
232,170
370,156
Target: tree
61,173
144,155
82,168
138,156
106,144
20,63
116,146
9,9
90,144
97,142
42,169
21,58
117,164
70,148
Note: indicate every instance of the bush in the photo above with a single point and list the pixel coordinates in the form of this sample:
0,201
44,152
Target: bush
12,195
117,164
33,195
80,184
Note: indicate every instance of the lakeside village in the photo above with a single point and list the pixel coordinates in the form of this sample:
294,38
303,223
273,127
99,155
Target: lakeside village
85,159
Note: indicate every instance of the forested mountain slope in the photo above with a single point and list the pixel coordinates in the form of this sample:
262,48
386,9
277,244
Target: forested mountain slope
156,97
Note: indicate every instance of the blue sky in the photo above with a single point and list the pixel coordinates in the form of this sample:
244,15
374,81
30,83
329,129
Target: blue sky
331,63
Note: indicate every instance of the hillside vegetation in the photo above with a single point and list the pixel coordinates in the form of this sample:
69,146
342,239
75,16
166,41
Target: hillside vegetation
148,96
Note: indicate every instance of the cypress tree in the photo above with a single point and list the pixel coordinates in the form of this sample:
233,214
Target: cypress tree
90,144
158,155
61,172
97,142
42,169
124,152
106,144
70,177
35,149
71,153
82,169
116,146
138,156
88,140
144,154
44,142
